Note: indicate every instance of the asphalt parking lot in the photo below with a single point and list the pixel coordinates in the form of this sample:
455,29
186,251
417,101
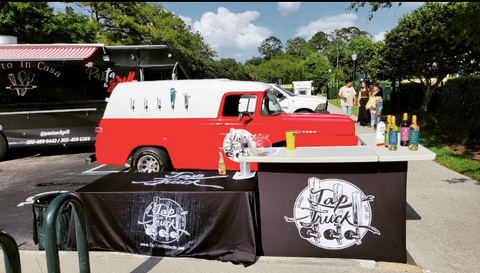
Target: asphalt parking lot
29,174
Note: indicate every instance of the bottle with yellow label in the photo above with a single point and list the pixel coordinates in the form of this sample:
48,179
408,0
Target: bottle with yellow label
414,135
221,165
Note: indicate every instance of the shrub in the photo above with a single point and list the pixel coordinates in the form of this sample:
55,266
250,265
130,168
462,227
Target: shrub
458,110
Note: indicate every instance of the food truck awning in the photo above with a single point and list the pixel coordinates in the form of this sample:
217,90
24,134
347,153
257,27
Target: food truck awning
50,52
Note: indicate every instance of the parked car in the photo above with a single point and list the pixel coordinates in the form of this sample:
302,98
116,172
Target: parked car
292,103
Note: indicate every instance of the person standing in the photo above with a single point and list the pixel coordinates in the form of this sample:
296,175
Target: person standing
347,98
363,96
376,113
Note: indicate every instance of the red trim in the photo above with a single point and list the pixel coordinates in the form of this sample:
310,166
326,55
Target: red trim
26,53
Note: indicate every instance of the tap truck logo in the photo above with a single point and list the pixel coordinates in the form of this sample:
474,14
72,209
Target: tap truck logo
332,214
164,220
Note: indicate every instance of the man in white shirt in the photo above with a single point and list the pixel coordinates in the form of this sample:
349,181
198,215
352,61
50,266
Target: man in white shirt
347,97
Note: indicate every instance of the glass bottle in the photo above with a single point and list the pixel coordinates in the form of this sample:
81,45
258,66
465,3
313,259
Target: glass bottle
389,122
414,136
221,165
404,130
393,136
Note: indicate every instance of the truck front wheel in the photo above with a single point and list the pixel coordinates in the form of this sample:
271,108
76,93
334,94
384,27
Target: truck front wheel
150,160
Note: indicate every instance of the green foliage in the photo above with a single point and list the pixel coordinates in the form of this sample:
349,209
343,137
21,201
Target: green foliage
466,22
422,46
374,6
271,47
276,69
366,49
34,22
298,48
230,69
459,109
315,68
319,41
74,28
30,22
132,23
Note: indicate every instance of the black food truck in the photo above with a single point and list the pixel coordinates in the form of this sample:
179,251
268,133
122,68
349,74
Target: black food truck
55,94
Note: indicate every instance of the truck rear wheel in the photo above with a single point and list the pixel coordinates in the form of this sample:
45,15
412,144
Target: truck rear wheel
3,146
150,160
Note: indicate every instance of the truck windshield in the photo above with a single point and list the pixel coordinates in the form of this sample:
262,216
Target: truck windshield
286,91
270,105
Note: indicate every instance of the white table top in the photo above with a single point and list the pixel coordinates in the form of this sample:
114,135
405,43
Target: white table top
367,151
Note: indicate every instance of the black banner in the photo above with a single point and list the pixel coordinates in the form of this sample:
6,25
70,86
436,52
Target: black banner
346,210
177,214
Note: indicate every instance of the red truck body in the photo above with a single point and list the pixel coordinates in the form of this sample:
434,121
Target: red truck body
191,128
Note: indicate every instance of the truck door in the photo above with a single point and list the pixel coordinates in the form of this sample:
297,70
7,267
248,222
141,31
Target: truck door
246,114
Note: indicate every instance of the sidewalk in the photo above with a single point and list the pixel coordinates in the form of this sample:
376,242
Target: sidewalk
114,262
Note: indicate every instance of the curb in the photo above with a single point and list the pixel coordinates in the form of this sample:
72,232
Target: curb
117,262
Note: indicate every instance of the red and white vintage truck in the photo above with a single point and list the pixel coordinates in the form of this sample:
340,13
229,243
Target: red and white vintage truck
181,124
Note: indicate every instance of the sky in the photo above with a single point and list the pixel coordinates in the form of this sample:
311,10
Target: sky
237,29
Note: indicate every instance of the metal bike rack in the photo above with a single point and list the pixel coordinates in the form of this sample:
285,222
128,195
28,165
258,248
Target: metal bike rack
11,254
51,247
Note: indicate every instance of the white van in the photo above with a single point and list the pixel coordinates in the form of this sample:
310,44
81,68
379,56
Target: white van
292,103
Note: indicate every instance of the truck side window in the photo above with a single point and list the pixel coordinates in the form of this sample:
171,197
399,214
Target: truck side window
270,105
230,107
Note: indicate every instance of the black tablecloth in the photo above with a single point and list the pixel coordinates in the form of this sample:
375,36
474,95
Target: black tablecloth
334,210
189,214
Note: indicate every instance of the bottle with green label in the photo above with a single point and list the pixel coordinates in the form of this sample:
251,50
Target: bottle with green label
414,135
393,136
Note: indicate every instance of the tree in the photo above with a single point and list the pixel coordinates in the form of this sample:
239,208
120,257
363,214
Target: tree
319,41
254,61
276,70
374,6
465,23
270,47
230,69
298,48
423,46
30,22
74,28
148,23
35,22
315,68
366,50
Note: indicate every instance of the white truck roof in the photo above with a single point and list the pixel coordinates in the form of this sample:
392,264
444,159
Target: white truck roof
152,99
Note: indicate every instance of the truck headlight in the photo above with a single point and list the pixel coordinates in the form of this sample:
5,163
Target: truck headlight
321,107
